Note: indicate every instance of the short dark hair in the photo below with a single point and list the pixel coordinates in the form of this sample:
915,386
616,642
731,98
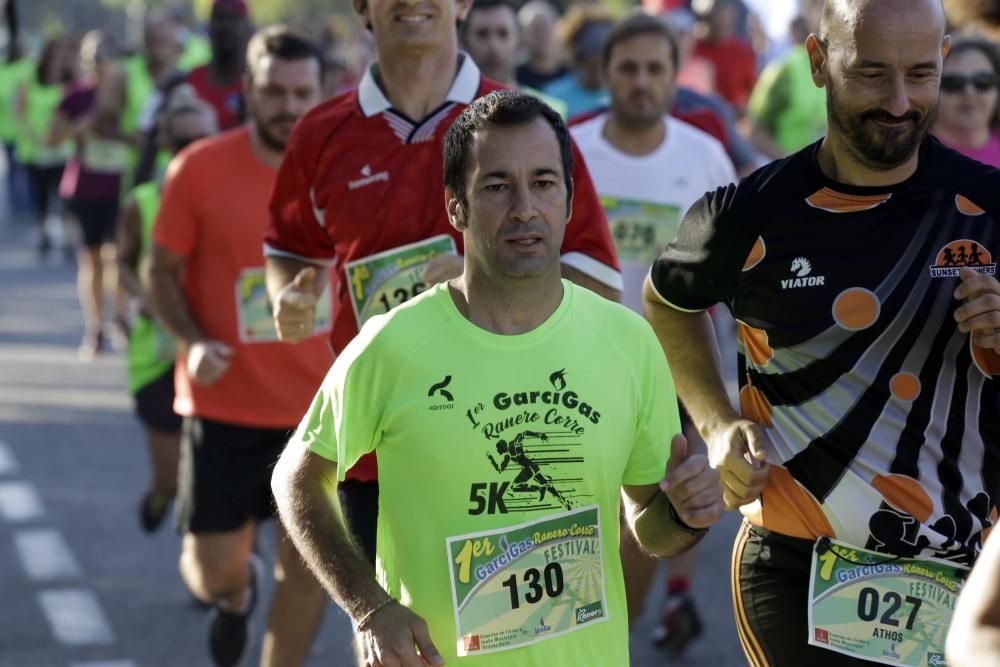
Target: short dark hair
49,53
640,23
485,5
501,108
281,42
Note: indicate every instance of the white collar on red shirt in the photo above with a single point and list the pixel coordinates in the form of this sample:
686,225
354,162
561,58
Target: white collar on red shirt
463,88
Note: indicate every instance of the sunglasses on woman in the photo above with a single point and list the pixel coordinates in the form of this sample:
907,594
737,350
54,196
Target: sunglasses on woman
981,81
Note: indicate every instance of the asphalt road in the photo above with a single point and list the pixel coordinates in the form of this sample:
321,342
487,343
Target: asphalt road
80,584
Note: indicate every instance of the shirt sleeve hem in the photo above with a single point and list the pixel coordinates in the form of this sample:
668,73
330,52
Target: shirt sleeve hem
271,251
595,269
324,450
644,478
652,283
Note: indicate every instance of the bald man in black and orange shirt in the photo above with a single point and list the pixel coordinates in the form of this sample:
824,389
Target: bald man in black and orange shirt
862,272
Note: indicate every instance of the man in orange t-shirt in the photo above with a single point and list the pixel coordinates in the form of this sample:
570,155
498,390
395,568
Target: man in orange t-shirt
239,390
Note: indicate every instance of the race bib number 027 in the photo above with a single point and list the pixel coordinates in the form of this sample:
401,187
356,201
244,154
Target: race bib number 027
383,281
527,583
891,611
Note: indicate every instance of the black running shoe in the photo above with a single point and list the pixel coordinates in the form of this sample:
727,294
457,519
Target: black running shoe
229,632
679,625
152,510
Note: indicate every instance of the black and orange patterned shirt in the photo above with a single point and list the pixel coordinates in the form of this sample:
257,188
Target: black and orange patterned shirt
883,417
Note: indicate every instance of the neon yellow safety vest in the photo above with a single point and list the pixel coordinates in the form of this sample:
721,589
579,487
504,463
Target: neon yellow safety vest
12,77
139,88
197,52
41,103
150,350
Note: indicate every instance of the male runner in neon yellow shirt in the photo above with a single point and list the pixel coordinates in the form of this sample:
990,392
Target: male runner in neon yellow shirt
510,412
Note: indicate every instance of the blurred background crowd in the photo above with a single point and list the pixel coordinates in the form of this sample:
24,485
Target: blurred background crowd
82,85
97,95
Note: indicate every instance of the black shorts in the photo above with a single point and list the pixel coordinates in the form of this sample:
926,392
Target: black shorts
770,579
98,220
44,185
224,479
359,501
154,404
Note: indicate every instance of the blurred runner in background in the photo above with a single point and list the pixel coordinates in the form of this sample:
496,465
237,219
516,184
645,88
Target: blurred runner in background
239,390
91,117
220,82
150,361
35,107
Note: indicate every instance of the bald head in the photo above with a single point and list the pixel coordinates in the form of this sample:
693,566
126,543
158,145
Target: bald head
880,62
843,18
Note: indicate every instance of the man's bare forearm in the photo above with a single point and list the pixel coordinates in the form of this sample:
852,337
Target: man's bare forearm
163,284
658,533
688,339
974,636
305,490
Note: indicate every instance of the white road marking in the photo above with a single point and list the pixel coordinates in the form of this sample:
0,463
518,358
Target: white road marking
45,555
19,502
8,464
75,616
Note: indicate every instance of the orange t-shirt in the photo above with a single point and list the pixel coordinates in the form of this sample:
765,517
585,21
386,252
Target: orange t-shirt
214,212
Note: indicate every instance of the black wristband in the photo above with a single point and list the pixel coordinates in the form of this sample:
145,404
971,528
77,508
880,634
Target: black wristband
675,517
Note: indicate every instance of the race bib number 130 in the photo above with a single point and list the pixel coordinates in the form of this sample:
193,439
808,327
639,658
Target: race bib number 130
527,583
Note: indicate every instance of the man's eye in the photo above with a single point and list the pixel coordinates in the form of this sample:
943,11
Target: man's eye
496,187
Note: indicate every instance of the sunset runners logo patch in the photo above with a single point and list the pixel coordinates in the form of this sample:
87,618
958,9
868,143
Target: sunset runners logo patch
960,254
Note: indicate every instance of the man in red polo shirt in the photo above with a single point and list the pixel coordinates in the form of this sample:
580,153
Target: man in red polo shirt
358,201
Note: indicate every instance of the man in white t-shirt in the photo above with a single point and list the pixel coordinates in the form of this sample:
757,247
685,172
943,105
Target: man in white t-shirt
648,168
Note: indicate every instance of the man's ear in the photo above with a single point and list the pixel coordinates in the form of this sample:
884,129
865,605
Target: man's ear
456,212
360,8
462,9
945,46
817,60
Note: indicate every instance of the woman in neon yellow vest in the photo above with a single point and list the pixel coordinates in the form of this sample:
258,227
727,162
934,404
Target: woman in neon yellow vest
36,104
184,120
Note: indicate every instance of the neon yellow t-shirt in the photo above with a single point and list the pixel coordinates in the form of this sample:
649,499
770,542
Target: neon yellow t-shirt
12,77
501,460
787,102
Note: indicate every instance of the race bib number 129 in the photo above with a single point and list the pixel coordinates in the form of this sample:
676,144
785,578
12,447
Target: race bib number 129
527,583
